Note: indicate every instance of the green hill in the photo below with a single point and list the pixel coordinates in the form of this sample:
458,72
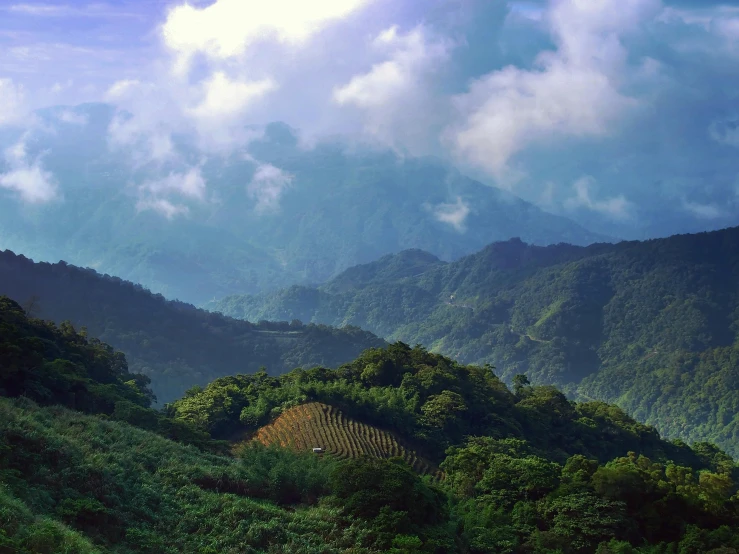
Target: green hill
173,343
651,326
526,471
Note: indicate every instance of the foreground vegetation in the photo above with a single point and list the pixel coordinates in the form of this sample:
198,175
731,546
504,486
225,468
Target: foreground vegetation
526,470
651,326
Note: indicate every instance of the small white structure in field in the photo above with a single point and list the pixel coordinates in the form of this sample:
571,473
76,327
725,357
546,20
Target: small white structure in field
318,451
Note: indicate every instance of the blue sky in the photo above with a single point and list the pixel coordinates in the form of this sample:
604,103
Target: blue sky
619,113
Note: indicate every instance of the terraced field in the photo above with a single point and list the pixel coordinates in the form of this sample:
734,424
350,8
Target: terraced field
319,425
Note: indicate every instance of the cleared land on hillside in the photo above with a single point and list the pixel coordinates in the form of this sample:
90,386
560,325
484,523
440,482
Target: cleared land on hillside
318,425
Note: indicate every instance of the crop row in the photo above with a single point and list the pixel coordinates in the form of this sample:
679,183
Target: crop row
317,425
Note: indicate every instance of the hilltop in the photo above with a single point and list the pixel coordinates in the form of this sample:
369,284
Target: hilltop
652,326
173,343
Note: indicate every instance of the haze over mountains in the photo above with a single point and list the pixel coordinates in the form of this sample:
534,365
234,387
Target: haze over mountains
298,215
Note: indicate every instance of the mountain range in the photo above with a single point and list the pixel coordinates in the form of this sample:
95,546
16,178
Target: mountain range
276,213
652,326
174,344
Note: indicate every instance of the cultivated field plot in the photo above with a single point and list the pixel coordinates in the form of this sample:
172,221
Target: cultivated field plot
317,425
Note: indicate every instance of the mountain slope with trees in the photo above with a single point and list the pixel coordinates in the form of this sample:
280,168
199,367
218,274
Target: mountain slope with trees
652,326
526,470
175,344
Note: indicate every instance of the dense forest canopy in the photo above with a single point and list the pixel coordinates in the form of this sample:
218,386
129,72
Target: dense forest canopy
651,326
526,471
175,344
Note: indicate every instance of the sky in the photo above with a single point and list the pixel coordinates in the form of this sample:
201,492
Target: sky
614,112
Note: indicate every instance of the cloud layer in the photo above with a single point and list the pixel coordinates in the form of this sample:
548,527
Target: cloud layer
610,111
26,176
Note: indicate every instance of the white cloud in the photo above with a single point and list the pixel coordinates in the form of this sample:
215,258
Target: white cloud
267,186
147,129
226,28
212,111
394,92
126,88
163,207
573,92
58,87
26,177
704,211
156,195
226,98
189,184
453,214
148,143
68,116
412,54
617,207
13,108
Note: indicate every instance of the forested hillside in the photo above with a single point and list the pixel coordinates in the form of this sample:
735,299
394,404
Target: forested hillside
651,326
174,344
525,471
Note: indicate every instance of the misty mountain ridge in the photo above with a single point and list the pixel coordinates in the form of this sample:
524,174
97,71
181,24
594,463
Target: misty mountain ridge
276,214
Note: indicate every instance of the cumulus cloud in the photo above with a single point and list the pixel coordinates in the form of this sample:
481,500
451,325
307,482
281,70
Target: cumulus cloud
226,28
225,98
68,116
12,103
704,211
573,91
531,93
394,92
162,206
189,184
411,54
157,194
59,87
26,176
453,214
617,207
267,187
146,130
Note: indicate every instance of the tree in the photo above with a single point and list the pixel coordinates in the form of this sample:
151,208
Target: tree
520,382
